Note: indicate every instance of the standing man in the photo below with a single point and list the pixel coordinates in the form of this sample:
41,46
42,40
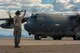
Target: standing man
17,27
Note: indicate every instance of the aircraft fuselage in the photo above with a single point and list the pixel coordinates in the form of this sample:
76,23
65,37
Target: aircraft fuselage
53,25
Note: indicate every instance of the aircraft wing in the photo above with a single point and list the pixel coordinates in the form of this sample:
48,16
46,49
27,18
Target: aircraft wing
9,22
4,18
11,19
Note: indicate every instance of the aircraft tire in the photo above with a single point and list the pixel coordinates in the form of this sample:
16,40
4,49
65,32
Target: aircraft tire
54,38
59,38
37,37
75,38
78,38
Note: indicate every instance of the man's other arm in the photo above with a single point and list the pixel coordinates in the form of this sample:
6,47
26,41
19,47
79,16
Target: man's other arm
24,13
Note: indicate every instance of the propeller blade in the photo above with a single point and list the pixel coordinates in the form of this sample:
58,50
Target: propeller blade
9,14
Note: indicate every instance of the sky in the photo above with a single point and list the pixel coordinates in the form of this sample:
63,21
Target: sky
38,5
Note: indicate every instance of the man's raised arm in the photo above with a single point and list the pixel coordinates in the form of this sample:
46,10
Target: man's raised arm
24,13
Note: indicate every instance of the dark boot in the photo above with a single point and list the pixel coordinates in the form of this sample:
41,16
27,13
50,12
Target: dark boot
17,46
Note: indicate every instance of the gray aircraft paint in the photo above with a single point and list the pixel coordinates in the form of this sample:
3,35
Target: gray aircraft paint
49,24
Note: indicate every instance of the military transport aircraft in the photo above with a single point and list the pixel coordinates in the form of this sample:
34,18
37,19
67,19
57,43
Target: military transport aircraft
42,25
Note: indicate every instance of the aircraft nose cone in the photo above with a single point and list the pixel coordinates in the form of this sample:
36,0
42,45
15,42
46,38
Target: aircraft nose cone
26,27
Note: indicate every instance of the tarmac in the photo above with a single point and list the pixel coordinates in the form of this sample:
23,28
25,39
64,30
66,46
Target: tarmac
29,45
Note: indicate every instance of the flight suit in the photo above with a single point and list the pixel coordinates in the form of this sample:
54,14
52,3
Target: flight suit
17,20
17,29
17,34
